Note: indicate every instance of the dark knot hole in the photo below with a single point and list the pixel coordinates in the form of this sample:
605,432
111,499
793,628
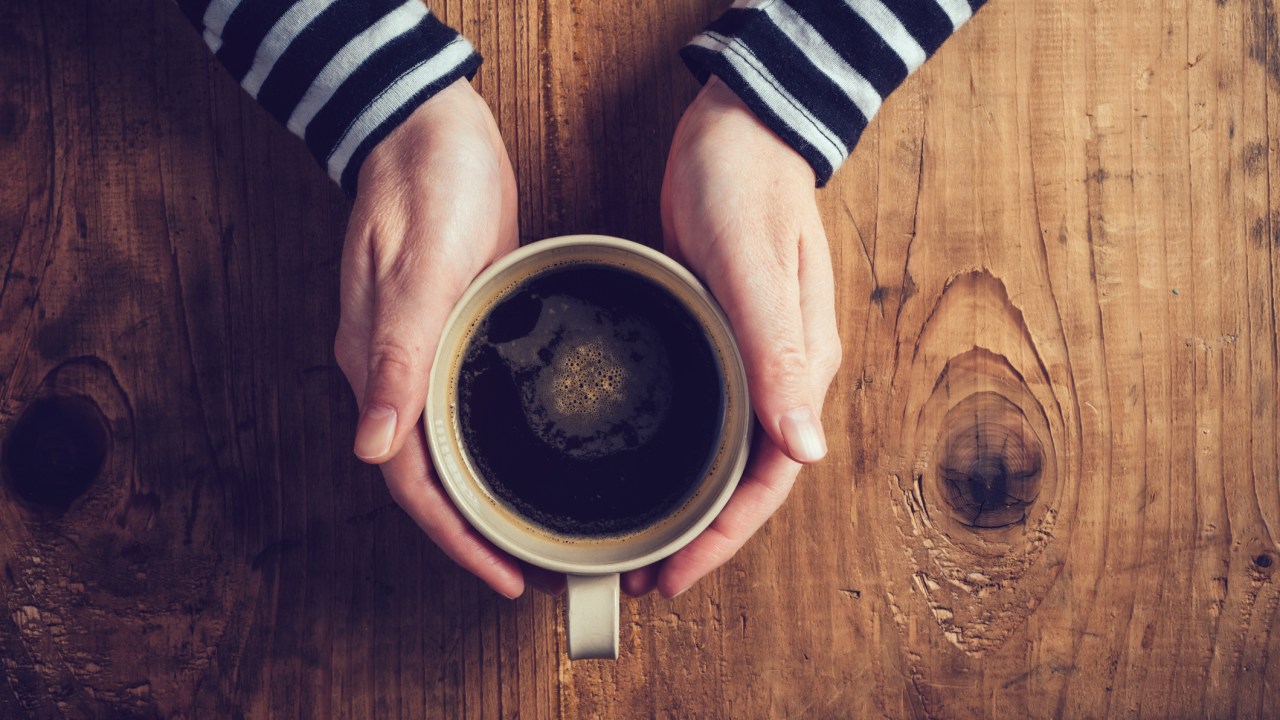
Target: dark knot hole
990,462
56,450
989,478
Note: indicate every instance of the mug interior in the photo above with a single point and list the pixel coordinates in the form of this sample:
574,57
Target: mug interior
513,532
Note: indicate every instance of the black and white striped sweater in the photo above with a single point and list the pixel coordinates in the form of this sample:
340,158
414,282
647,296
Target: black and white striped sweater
341,74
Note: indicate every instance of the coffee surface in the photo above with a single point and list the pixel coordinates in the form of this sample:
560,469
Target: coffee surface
590,401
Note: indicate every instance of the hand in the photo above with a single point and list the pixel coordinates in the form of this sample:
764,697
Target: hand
738,208
436,204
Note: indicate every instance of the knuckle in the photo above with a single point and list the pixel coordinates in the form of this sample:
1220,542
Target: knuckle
346,352
831,358
785,366
390,358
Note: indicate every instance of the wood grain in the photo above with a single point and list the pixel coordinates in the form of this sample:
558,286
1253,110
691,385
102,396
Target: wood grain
1054,488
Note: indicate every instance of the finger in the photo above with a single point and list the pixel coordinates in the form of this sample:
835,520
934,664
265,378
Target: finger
413,299
415,488
818,304
769,478
759,288
351,343
356,280
640,582
822,343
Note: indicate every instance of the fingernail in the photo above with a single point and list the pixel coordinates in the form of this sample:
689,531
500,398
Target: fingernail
680,592
377,428
802,432
507,595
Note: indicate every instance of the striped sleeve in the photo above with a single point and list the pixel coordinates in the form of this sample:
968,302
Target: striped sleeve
340,74
816,71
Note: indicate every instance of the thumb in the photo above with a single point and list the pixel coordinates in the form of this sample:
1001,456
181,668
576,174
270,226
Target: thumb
759,289
410,309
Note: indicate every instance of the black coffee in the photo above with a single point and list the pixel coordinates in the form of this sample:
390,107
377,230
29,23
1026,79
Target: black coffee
590,401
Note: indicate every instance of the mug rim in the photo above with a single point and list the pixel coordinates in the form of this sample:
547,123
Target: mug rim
446,467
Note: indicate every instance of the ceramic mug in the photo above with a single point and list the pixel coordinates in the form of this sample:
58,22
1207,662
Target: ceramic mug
592,564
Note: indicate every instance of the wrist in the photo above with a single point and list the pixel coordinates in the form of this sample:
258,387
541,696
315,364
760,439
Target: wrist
719,109
454,121
458,97
454,101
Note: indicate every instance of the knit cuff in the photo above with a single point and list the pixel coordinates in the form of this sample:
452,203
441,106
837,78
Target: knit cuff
340,74
817,71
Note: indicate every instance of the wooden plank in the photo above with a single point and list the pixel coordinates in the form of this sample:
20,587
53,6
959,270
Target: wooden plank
1054,485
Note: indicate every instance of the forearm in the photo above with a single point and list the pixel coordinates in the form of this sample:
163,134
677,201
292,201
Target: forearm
341,74
816,71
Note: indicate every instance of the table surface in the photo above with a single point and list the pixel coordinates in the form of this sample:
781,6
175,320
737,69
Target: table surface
1053,486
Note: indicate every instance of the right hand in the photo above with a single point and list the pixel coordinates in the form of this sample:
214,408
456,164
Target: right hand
435,205
738,208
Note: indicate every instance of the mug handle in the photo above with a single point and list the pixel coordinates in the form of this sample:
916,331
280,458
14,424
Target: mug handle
592,623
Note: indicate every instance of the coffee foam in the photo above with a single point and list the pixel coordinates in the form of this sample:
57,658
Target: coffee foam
593,385
719,457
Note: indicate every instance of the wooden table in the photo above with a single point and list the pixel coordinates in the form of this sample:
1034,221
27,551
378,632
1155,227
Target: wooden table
1053,489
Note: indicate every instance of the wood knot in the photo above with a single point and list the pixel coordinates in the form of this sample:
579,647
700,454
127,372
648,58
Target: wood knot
990,462
56,450
1263,561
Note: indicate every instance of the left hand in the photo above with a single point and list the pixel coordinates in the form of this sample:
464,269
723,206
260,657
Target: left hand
436,205
739,209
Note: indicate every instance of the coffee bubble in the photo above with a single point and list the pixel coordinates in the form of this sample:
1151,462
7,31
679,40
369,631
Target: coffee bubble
591,384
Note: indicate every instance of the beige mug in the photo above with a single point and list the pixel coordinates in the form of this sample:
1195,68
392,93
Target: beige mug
592,564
